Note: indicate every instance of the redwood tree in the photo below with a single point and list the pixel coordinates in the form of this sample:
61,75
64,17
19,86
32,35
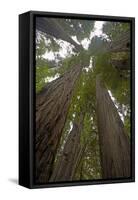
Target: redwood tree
52,105
67,163
114,143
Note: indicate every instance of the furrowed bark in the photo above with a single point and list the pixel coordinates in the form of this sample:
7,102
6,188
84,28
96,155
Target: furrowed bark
68,161
114,143
52,105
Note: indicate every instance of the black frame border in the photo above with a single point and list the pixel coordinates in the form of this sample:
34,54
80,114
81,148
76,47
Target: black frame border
31,131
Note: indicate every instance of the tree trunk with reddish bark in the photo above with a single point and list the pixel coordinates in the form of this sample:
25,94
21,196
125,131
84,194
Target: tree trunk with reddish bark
114,143
66,165
52,105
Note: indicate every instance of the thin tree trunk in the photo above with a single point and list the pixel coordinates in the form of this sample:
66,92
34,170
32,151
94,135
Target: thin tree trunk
53,28
68,161
52,105
114,143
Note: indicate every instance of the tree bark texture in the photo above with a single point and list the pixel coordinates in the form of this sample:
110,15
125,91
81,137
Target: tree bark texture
52,105
66,165
114,143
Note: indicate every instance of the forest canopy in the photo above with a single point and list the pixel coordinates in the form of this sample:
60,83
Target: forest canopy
82,99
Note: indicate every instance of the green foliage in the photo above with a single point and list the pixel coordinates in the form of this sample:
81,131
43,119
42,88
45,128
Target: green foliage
41,73
43,66
116,82
52,45
120,55
119,85
127,126
46,44
115,29
40,47
67,64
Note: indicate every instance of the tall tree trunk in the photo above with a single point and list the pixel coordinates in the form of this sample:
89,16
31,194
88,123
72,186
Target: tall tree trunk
114,143
53,28
52,105
69,159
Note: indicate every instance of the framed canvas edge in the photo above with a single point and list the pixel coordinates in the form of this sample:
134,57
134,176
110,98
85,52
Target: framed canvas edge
33,14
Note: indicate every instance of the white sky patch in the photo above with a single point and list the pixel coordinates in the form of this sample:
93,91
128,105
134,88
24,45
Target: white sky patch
75,39
80,25
90,65
85,43
98,26
67,49
71,126
66,137
113,99
73,115
64,51
91,119
78,97
50,79
125,109
49,55
86,69
121,116
47,41
98,31
91,62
